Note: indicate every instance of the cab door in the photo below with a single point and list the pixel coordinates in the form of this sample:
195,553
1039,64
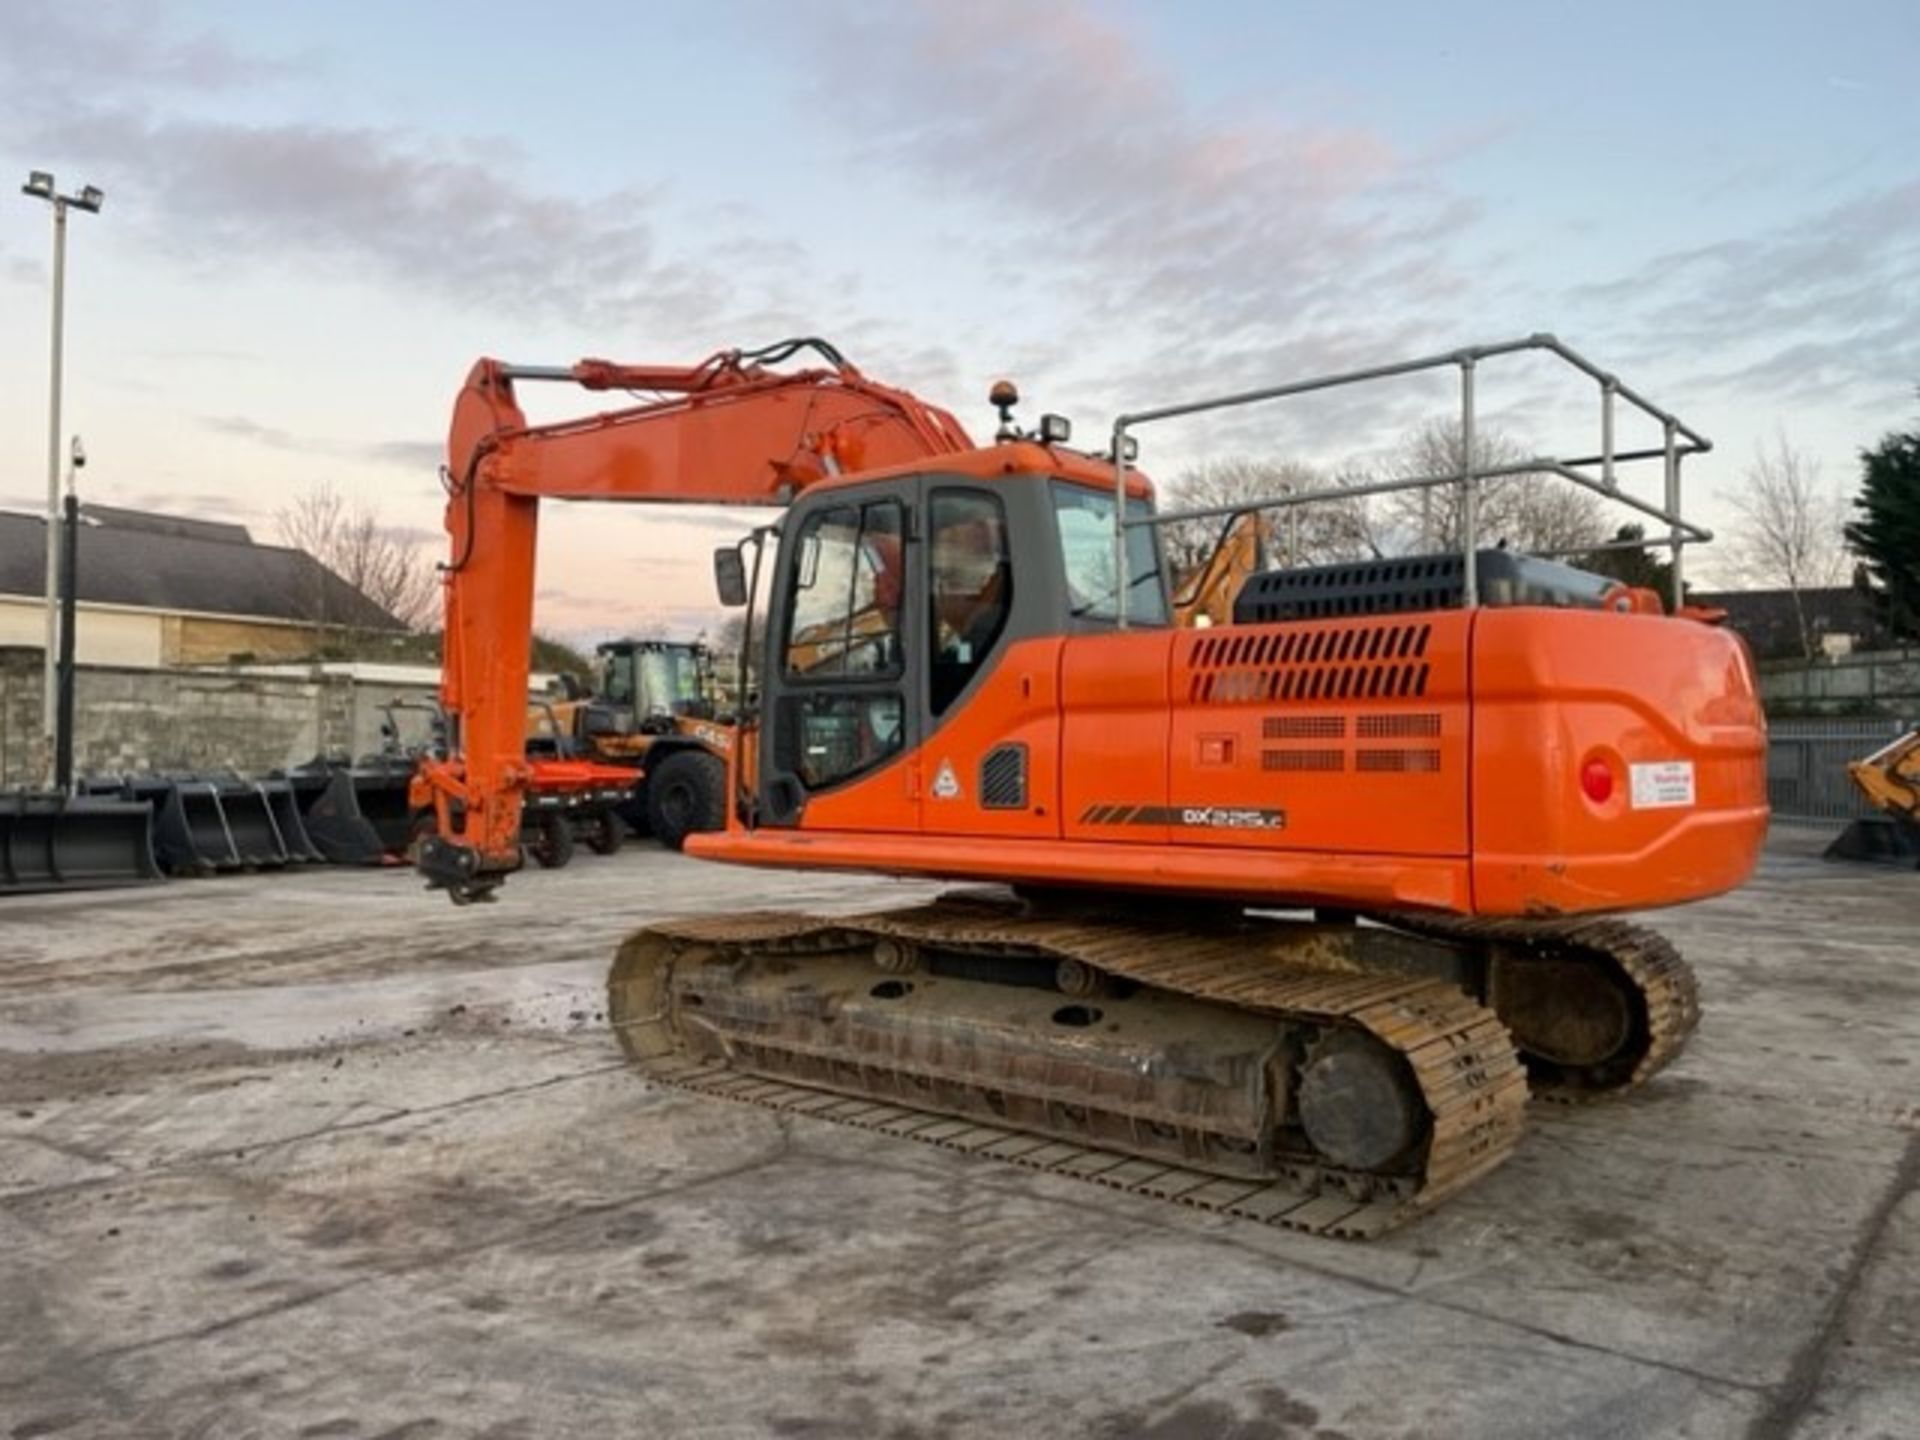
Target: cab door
841,694
989,661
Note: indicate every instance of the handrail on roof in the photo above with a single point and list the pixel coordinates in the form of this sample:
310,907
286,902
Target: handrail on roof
1681,440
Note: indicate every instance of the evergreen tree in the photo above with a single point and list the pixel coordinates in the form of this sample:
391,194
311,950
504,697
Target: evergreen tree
1887,533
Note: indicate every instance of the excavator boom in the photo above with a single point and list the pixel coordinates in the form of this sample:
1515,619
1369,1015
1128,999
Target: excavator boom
730,430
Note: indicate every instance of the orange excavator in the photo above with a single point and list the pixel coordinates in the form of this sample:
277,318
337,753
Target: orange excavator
1283,917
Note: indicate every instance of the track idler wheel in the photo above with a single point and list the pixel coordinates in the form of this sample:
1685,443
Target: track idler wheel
1359,1104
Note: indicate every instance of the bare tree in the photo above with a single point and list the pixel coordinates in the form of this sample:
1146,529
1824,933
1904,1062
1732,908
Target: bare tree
1789,531
1528,512
1321,532
348,539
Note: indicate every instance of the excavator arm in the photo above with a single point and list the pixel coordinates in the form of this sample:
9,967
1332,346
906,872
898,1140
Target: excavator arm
730,430
1207,596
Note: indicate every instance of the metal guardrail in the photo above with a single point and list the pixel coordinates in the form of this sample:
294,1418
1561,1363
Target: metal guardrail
1681,440
1807,765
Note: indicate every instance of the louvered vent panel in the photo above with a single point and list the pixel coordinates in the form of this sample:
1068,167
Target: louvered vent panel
1304,727
1397,761
1355,662
1297,760
1419,726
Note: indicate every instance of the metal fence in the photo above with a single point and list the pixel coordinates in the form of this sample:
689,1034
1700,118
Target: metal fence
1807,765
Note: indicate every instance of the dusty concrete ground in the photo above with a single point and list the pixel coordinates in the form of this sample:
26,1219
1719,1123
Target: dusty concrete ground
318,1155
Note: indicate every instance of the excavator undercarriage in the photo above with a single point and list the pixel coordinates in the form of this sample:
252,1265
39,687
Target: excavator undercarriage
1336,1078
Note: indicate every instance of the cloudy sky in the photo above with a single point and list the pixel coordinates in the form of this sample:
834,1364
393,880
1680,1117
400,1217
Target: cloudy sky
318,216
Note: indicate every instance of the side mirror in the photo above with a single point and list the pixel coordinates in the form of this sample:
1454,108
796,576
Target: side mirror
730,576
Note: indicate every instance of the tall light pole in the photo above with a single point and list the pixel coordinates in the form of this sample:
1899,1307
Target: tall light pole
40,185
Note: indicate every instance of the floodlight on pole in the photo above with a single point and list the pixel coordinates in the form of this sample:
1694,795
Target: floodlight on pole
40,185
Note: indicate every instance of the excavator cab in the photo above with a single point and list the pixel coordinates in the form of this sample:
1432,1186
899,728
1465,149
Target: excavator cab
894,601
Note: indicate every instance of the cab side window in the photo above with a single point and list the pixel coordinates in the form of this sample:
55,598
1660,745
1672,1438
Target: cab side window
846,603
971,582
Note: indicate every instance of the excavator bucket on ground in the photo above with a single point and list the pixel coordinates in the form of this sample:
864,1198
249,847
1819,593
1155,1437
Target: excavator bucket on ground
1879,840
330,813
380,788
190,832
83,842
256,839
283,812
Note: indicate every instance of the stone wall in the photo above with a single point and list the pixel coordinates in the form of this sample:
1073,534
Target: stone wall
205,719
1871,682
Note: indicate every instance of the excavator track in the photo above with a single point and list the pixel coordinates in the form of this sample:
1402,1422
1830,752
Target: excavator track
745,1008
1617,967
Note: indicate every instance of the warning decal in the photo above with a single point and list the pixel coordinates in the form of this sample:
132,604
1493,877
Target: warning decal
1665,785
946,785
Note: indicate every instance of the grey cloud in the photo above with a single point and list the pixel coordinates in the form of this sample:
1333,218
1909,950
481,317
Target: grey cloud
421,214
56,50
407,454
403,454
241,428
1202,247
111,94
1812,310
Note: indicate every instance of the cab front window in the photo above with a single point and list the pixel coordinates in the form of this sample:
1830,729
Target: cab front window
1085,520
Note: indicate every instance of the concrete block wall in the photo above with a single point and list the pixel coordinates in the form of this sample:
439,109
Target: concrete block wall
171,720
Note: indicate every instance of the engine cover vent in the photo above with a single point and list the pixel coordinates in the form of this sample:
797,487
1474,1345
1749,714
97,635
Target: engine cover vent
1424,725
1304,727
1397,762
1349,662
1416,582
1307,760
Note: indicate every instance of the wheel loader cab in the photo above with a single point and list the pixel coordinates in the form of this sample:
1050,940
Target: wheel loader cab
650,684
894,603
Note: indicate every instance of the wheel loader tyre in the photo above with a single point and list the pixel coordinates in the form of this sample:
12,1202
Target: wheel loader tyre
552,842
605,833
686,793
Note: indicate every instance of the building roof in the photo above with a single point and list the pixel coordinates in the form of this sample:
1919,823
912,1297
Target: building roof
1765,619
183,526
172,563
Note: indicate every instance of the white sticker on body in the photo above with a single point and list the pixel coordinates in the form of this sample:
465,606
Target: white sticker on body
1665,785
946,785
